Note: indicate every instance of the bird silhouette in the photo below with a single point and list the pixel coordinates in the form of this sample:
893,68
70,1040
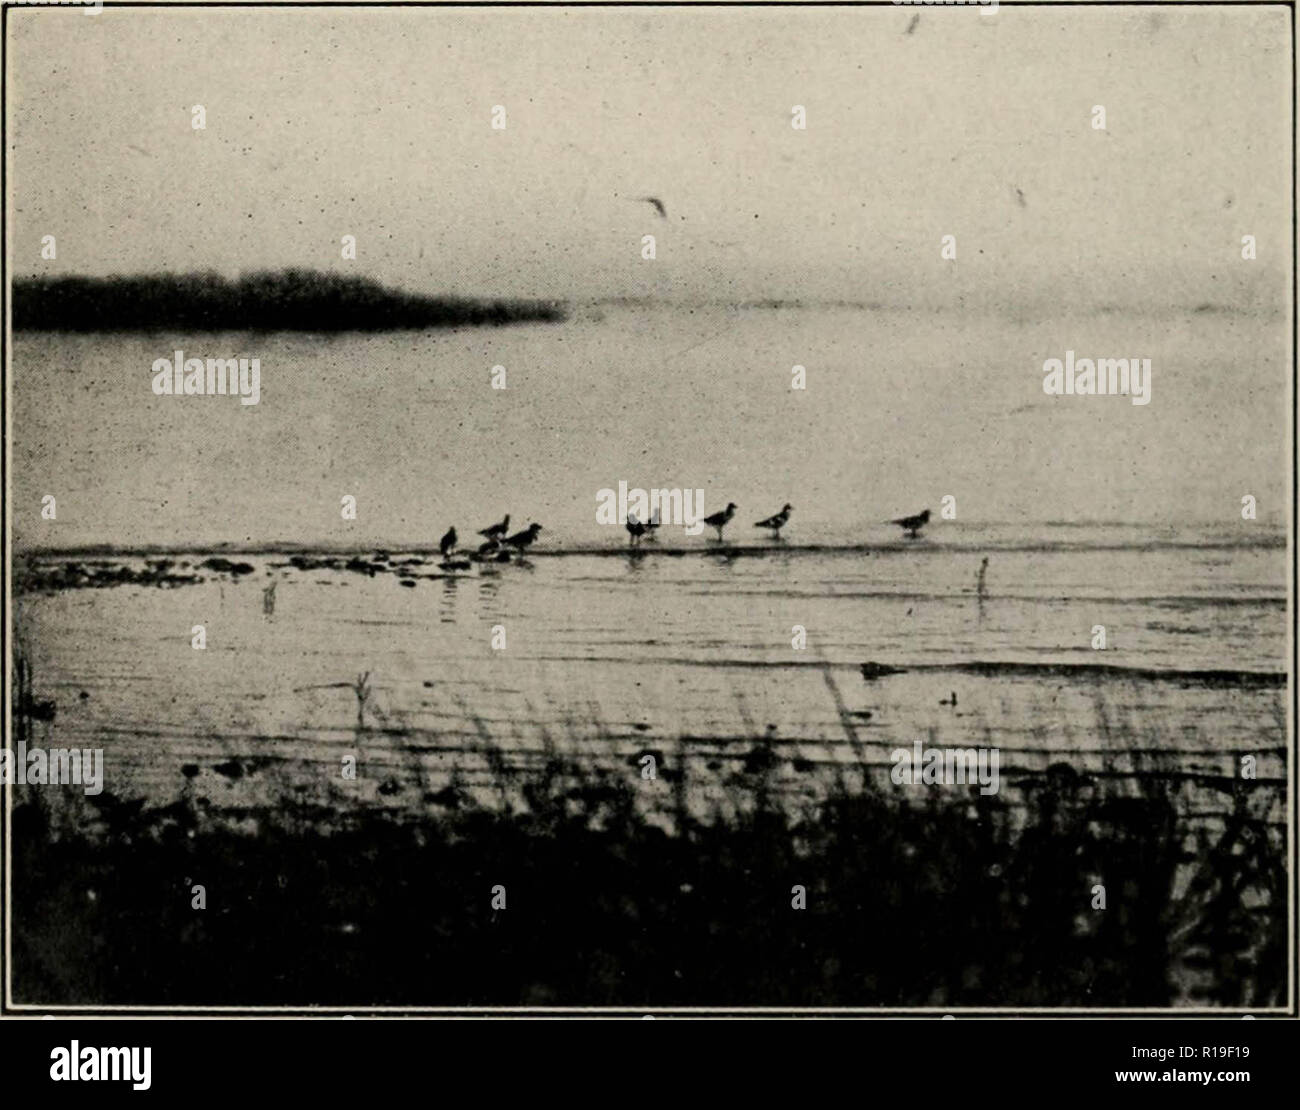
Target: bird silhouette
496,531
521,540
777,521
635,529
913,524
722,519
448,542
659,206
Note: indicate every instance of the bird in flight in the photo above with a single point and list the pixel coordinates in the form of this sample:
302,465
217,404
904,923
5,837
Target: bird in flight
722,519
659,205
777,522
913,524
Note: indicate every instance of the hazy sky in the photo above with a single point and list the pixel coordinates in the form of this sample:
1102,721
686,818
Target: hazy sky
377,124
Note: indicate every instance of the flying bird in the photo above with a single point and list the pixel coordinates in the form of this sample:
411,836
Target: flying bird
659,206
722,519
448,542
496,531
913,524
777,522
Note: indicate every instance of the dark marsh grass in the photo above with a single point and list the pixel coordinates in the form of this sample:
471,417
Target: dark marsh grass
946,898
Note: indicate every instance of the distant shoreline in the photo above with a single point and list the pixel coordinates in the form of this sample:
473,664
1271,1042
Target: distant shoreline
122,303
281,300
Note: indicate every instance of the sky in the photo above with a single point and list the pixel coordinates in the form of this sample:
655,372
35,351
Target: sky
378,124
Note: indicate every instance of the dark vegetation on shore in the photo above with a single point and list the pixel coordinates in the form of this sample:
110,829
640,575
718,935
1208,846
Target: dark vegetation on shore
35,575
282,300
944,900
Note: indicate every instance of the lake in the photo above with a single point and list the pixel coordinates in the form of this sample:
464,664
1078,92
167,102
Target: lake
737,667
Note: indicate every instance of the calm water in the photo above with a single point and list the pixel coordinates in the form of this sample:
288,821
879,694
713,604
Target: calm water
607,655
901,408
685,647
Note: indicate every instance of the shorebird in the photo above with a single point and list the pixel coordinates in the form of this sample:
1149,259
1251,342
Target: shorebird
722,519
777,522
635,529
652,525
496,531
913,524
521,540
448,542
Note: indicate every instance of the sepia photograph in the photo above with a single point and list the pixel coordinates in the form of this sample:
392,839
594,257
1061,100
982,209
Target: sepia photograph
675,509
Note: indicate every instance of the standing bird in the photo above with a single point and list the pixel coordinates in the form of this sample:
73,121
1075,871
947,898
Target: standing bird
652,525
521,540
496,531
722,519
635,529
777,522
448,543
913,524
